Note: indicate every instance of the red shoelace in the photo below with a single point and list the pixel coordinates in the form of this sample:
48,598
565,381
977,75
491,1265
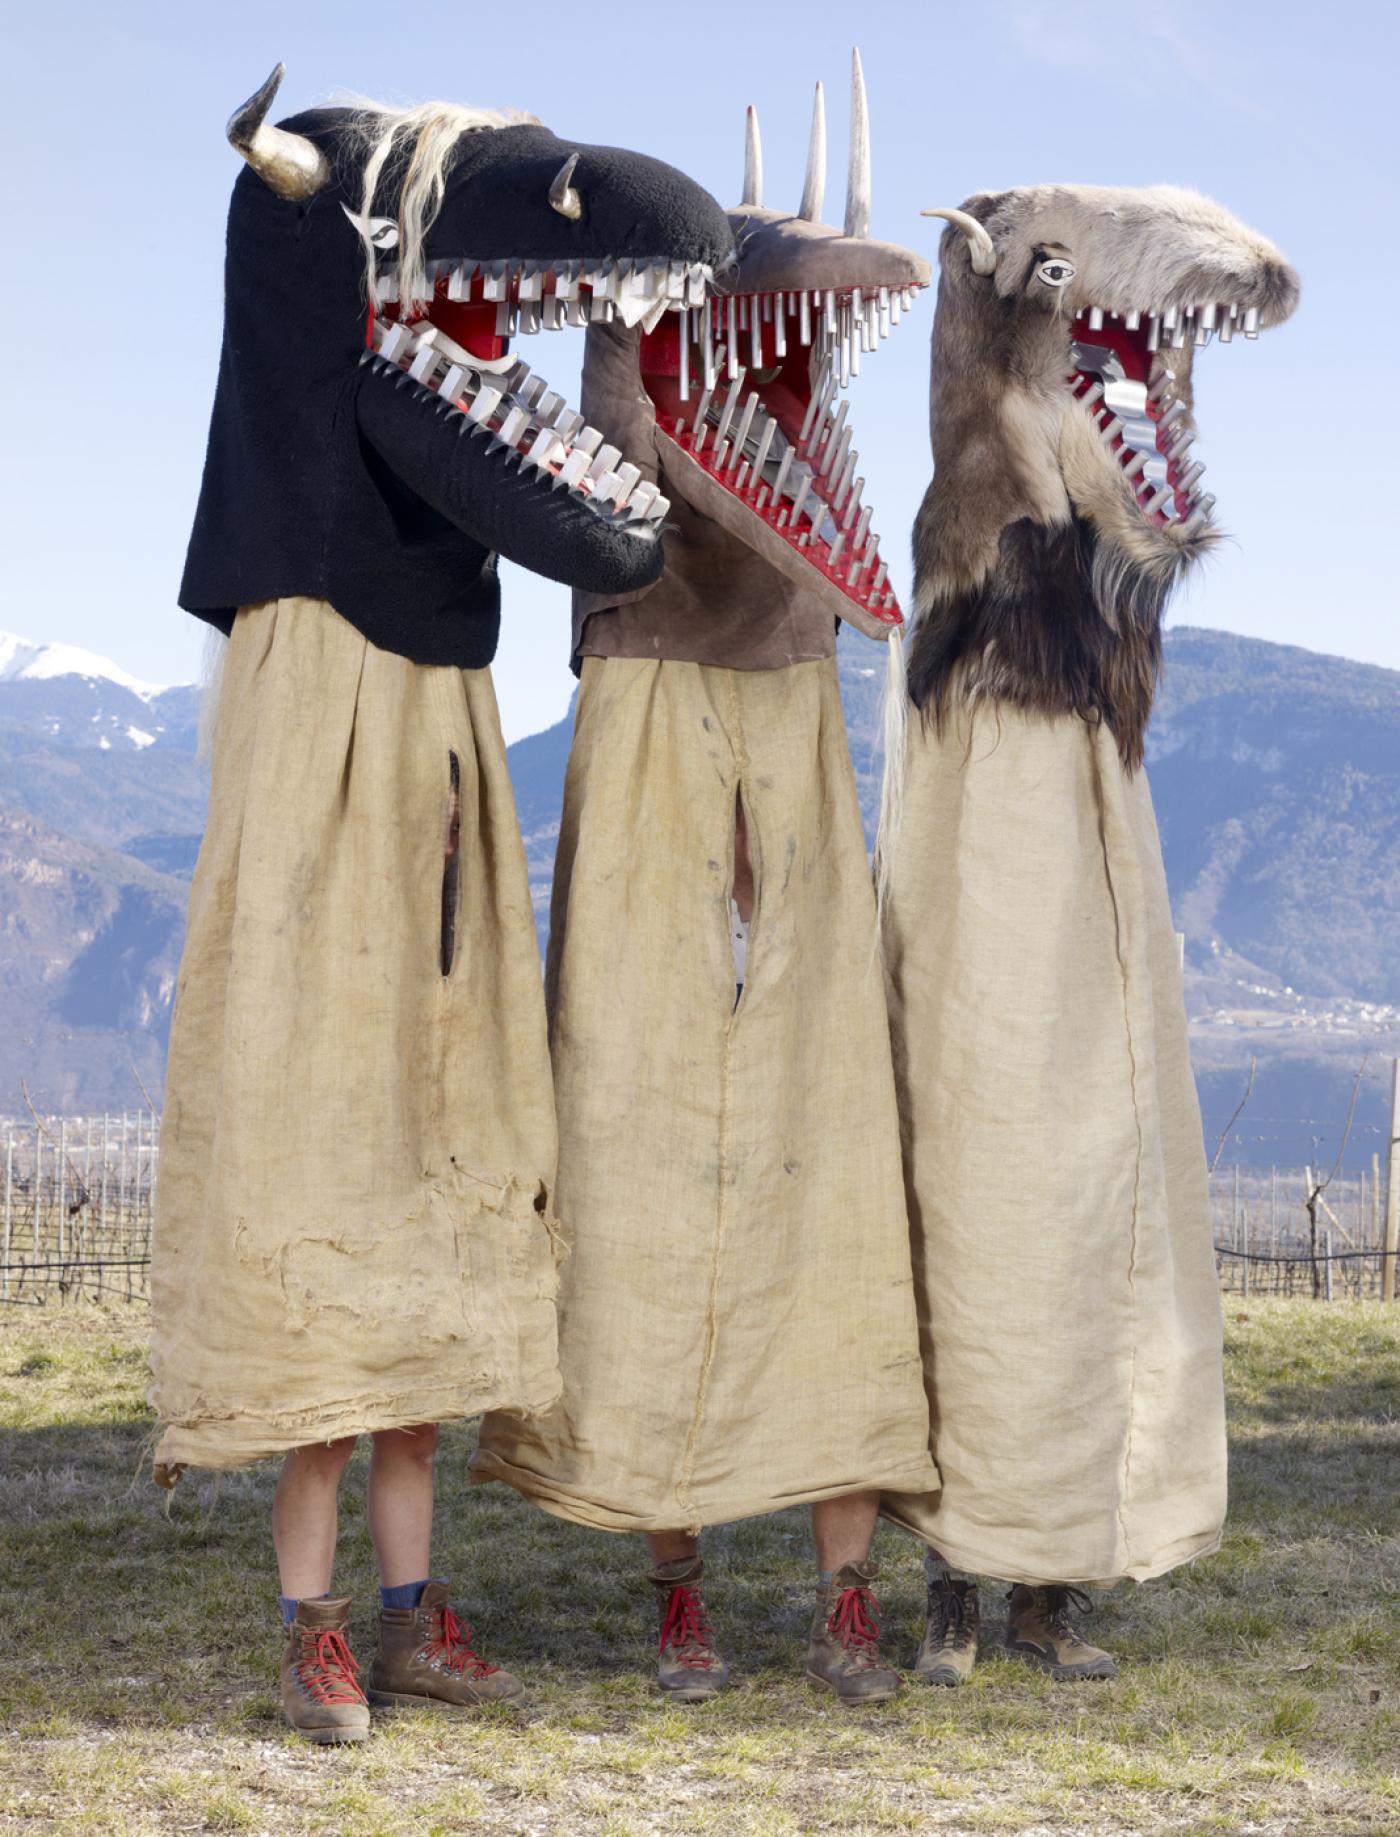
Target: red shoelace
854,1623
453,1644
326,1670
686,1629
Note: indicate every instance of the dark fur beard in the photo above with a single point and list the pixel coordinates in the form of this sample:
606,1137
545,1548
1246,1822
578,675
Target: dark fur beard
1033,635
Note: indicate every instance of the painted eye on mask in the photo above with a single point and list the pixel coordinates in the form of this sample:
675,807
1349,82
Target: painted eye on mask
378,232
1056,272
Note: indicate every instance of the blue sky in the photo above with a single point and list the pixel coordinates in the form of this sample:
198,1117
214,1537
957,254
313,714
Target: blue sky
120,174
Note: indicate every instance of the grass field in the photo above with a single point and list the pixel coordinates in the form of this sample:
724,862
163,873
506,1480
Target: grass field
1259,1691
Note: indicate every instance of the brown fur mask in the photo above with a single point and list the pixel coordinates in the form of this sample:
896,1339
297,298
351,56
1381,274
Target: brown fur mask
1065,502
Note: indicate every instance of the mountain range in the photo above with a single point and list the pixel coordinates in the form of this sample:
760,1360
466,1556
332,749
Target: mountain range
1275,770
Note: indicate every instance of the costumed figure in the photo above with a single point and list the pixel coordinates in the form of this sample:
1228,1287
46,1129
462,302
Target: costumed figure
356,1228
1053,1155
737,1320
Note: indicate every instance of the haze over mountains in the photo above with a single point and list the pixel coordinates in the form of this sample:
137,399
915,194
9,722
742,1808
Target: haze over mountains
1276,773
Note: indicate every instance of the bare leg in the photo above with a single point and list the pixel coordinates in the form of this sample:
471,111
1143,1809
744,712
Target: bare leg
670,1547
844,1529
304,1516
399,1503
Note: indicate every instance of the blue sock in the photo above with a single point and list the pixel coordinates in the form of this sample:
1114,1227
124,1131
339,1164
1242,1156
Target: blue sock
289,1606
407,1594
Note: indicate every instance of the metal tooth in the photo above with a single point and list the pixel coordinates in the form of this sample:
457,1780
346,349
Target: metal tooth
817,405
1191,474
1251,322
1182,332
1206,502
1154,332
494,285
800,500
779,328
1226,330
784,467
600,310
836,549
642,499
396,341
660,505
627,476
881,575
848,515
730,403
1171,318
514,425
576,312
1089,397
530,389
453,383
568,425
1096,318
542,446
1110,433
804,317
854,574
459,282
1194,524
1209,316
838,461
833,435
707,341
1133,321
587,442
755,337
1160,385
1135,465
1158,499
573,469
695,291
683,348
745,423
604,489
484,406
386,287
424,364
604,460
531,283
896,307
843,485
731,336
1172,413
503,320
770,429
1203,336
548,406
862,526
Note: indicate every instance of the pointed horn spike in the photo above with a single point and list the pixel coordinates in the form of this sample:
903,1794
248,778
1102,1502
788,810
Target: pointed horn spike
858,173
753,159
289,164
979,244
814,185
562,195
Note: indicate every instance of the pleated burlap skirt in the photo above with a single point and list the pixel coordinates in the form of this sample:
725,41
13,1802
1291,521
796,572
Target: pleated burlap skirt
1054,1162
737,1320
354,1227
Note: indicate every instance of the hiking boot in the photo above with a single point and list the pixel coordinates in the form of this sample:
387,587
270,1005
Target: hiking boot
1038,1630
425,1660
948,1649
688,1668
321,1695
844,1651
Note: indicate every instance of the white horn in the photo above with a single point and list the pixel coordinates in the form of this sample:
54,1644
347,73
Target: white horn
289,164
979,244
814,185
562,195
858,176
753,159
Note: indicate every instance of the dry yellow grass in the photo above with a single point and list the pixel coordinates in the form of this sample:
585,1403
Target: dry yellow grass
1259,1691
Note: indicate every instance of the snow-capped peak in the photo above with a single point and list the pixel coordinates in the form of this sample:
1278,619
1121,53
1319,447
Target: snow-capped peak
21,660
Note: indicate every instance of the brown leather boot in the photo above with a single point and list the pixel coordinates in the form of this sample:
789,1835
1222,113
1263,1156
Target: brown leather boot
688,1667
321,1695
948,1650
844,1650
425,1660
1038,1630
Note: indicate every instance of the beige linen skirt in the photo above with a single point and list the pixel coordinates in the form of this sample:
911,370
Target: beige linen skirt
354,1226
737,1319
1055,1169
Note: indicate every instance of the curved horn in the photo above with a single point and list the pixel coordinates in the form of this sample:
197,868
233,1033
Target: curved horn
979,244
814,185
753,159
858,175
289,164
562,195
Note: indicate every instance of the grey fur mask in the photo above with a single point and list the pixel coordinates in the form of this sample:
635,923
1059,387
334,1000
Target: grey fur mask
1065,501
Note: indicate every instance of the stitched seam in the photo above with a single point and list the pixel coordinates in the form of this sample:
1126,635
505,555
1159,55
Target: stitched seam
722,1163
1120,952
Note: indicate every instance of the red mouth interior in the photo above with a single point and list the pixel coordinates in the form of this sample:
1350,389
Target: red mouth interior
761,436
1142,424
